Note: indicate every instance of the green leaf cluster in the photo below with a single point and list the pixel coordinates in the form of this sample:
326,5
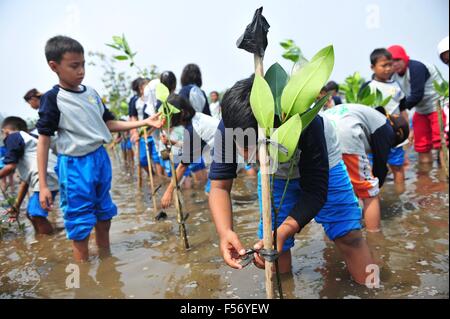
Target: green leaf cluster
291,99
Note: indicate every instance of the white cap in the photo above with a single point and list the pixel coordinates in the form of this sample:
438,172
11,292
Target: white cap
443,45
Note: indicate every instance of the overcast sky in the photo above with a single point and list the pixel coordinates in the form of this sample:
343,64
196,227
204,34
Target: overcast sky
173,33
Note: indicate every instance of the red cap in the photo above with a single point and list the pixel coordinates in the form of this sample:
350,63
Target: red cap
398,52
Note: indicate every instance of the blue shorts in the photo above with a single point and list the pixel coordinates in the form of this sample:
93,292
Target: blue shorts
166,165
128,145
340,214
2,156
396,156
151,149
197,166
84,184
34,208
208,186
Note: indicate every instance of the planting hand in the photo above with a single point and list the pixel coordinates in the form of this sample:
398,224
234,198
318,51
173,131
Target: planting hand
13,213
231,249
155,120
286,230
46,199
166,200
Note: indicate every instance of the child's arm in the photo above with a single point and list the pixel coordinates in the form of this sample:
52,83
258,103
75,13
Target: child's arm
166,200
45,196
14,211
7,170
118,126
221,210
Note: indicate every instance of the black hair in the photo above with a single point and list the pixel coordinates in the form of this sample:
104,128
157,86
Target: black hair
136,84
57,46
330,86
379,53
191,75
169,79
186,113
214,92
32,93
236,110
399,124
16,123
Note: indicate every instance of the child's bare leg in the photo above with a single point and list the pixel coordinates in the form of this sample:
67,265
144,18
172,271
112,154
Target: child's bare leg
102,236
356,254
201,176
426,158
159,170
41,225
399,173
372,214
81,249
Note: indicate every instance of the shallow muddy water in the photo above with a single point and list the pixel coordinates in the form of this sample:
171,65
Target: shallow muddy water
148,259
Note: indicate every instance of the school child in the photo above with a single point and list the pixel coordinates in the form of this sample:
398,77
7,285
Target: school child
215,105
191,81
21,153
33,98
8,181
362,130
443,49
381,65
416,80
83,124
198,134
319,188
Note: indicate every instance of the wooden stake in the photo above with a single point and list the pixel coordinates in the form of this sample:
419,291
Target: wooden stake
150,173
444,148
138,151
265,187
177,195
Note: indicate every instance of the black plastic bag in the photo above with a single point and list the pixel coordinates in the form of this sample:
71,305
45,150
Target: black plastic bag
254,39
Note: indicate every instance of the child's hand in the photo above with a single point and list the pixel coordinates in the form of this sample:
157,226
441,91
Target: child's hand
166,200
164,139
13,213
231,249
155,120
46,199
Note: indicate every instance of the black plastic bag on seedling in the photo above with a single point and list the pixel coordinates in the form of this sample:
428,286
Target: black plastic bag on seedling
254,39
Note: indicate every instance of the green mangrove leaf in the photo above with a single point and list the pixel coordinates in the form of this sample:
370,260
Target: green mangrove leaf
162,92
364,93
172,109
305,85
262,103
126,47
288,135
113,46
121,57
309,115
118,40
369,100
277,78
386,101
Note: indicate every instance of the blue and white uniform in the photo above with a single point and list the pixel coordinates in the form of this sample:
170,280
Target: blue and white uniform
319,185
21,149
138,108
84,167
392,88
197,97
